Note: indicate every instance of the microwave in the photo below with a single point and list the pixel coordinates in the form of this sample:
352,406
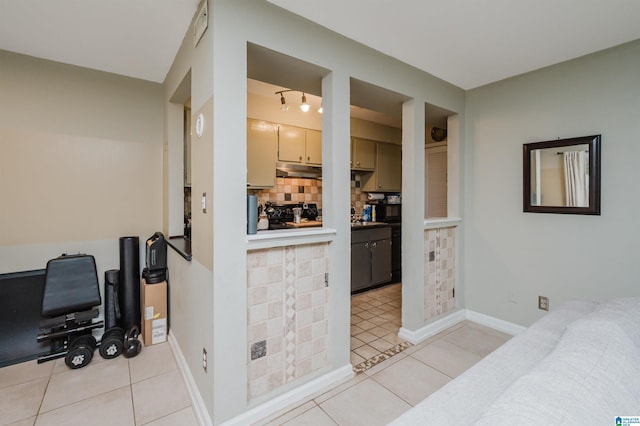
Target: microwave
389,212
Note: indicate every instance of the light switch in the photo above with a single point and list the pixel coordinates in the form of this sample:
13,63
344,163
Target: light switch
204,202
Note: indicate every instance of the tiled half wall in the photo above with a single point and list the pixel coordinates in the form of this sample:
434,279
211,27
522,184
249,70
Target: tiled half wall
287,315
439,280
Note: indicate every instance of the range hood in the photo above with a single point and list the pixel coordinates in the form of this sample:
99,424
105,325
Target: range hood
298,170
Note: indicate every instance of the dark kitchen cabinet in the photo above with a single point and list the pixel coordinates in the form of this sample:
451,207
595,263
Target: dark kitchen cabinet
370,257
396,252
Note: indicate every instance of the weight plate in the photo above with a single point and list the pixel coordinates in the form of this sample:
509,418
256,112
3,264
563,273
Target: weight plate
111,347
84,339
78,356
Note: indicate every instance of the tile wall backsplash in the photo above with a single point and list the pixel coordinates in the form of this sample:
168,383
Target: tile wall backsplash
291,191
298,190
358,197
287,315
439,258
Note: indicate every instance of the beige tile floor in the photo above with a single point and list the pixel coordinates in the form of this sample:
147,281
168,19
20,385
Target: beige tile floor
375,320
388,389
149,390
145,390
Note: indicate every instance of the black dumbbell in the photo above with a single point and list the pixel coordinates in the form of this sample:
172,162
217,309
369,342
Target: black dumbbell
132,346
80,351
112,343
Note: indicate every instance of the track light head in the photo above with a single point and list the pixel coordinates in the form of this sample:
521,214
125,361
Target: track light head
304,106
283,103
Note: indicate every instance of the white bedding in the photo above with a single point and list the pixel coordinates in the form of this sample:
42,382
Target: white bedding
579,364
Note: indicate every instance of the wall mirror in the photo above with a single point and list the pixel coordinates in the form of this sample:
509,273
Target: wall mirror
562,176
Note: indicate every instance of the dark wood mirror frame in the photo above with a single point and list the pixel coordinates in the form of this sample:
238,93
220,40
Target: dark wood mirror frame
594,175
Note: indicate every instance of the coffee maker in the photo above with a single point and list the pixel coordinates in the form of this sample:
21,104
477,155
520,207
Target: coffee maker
155,270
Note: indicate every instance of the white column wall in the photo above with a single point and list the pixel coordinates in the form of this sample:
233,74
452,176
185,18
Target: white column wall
336,187
413,267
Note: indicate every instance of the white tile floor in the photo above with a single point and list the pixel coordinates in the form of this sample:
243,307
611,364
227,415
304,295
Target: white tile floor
149,390
385,391
145,390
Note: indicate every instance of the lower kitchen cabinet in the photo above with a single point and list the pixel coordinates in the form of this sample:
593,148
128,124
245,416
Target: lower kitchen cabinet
370,257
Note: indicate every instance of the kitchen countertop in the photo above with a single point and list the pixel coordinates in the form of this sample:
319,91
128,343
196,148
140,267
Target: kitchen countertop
365,225
307,224
289,237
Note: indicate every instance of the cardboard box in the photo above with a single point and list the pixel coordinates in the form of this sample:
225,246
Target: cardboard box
154,312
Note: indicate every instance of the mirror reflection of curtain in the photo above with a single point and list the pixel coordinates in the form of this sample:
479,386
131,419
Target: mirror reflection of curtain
576,178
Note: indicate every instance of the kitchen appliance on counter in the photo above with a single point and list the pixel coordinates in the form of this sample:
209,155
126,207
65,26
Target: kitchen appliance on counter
389,213
282,216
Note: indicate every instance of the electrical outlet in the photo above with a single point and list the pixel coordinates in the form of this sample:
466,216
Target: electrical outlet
543,303
204,359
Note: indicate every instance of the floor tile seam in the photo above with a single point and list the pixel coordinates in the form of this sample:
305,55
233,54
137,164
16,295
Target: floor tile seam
482,355
46,388
153,376
164,373
395,394
302,404
81,400
430,366
25,382
158,418
354,381
327,414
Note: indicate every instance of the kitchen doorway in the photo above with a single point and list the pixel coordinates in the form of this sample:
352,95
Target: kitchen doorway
376,184
376,317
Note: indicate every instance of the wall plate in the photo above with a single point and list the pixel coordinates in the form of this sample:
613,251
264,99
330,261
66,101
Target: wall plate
200,125
200,24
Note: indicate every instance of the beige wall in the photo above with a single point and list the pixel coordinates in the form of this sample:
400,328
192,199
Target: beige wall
191,295
58,188
80,161
559,256
202,183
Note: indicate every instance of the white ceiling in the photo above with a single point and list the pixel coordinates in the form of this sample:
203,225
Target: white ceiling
465,42
136,38
471,43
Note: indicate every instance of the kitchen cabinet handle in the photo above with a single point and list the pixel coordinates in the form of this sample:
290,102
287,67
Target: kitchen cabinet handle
366,245
300,158
374,244
358,163
379,185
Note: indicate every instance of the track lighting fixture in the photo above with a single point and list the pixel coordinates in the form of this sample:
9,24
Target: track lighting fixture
304,106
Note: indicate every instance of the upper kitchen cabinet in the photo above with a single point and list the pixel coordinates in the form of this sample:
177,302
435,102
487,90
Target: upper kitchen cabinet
313,147
262,153
298,145
388,171
363,154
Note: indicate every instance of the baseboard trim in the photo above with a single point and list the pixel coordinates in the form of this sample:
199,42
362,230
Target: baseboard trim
294,397
432,328
441,324
199,407
495,323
